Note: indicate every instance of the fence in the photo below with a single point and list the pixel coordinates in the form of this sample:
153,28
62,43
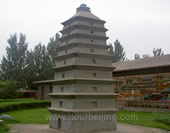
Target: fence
146,106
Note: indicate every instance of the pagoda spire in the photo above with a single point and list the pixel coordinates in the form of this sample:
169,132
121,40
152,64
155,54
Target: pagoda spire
83,7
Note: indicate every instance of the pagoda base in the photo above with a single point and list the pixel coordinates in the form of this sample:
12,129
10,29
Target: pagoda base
91,122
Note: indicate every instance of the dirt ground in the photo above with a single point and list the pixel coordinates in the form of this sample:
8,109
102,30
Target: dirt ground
122,128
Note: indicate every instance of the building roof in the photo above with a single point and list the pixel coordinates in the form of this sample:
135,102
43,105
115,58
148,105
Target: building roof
152,62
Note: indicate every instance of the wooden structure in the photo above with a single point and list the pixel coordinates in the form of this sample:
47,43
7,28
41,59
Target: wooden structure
143,79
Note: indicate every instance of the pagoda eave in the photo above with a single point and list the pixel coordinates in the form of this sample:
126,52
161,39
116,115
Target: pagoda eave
81,18
83,27
82,95
43,82
80,35
72,45
89,55
83,67
82,110
84,80
76,80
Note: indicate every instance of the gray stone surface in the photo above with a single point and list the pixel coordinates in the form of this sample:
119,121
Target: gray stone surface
6,117
68,107
121,128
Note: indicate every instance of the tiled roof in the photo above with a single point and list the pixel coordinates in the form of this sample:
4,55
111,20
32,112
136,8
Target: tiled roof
157,61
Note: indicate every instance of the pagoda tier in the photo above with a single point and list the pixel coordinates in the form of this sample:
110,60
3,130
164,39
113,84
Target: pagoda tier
83,84
84,45
82,27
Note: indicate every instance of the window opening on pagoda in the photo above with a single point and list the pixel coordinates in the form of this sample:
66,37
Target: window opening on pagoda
59,123
92,50
95,89
91,23
94,104
94,61
63,75
62,89
60,104
94,75
64,62
66,51
51,89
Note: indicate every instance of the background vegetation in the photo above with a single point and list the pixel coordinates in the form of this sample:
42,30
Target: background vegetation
8,89
20,66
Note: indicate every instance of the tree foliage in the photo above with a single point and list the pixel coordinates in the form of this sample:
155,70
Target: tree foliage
8,89
39,64
25,66
52,46
137,56
13,64
117,51
157,52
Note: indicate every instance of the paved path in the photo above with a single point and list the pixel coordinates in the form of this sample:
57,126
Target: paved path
122,128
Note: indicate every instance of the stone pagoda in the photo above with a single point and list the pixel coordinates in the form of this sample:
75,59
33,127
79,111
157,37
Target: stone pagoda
83,93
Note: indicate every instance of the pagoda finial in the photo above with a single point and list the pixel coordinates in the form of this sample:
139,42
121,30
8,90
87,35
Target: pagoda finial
83,7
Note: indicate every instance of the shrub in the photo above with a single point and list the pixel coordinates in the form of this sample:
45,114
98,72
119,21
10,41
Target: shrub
8,89
25,104
4,128
16,100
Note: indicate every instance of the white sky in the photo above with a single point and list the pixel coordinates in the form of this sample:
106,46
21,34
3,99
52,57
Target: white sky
140,25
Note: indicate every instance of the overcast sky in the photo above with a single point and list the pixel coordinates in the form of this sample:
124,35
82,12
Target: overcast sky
140,25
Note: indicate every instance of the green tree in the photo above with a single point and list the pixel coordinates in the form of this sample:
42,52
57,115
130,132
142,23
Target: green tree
52,46
137,56
157,52
13,64
8,89
117,52
41,60
39,65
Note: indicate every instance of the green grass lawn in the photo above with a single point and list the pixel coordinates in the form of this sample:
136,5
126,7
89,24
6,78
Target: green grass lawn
141,118
41,116
28,116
